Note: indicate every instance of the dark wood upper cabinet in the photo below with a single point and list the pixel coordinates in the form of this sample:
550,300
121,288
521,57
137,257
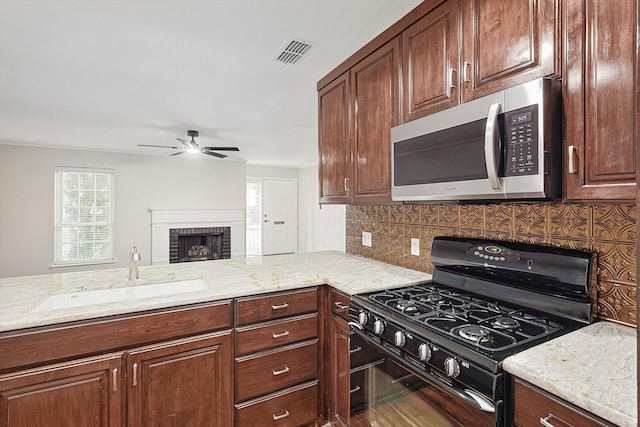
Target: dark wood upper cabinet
375,94
600,87
430,57
505,43
333,141
356,113
465,49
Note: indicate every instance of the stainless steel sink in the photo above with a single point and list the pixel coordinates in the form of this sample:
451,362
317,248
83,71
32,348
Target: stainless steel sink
103,296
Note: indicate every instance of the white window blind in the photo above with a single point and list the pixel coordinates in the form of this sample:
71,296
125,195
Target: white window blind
83,216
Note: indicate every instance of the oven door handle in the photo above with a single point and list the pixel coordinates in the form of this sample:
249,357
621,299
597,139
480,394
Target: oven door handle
470,396
354,325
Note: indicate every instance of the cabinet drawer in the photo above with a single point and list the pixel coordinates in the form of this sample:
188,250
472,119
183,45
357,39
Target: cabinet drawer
267,307
339,304
531,405
292,407
278,369
250,339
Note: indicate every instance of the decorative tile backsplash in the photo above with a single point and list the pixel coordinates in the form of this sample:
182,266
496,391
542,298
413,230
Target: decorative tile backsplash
607,229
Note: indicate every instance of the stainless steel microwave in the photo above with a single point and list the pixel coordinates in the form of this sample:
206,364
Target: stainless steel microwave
506,145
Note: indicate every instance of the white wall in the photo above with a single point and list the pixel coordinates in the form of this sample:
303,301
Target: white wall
141,182
319,229
259,171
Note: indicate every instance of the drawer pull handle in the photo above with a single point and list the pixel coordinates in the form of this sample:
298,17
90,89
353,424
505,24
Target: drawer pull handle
280,335
279,307
280,372
545,421
115,380
281,416
571,156
341,306
135,375
355,350
356,388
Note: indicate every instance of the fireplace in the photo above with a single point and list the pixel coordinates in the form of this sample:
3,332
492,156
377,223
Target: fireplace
199,244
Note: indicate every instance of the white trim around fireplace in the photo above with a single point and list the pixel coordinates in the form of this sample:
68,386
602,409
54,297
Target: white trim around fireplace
162,220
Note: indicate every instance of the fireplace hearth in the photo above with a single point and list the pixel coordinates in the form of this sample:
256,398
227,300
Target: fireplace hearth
199,244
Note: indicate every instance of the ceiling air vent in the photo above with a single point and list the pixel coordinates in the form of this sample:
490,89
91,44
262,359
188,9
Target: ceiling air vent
293,51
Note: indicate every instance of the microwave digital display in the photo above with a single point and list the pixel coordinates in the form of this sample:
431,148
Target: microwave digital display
521,118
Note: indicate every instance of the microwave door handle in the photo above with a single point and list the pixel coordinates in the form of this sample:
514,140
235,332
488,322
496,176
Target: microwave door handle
492,145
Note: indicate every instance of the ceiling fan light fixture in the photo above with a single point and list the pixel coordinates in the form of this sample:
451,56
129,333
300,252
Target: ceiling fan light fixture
192,150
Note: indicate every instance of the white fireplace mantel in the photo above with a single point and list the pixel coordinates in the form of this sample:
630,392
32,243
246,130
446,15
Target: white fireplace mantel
163,220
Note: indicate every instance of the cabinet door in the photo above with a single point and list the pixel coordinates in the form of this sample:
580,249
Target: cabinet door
430,62
80,393
507,43
600,96
185,383
339,334
375,88
333,143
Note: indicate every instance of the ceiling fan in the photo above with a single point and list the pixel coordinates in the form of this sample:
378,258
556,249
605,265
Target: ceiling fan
193,147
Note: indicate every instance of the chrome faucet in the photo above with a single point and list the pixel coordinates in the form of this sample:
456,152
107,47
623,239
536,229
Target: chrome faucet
134,259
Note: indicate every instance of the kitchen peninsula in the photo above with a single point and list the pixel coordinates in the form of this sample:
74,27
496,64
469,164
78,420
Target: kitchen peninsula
247,282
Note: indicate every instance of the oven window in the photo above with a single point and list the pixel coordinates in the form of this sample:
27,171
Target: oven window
387,394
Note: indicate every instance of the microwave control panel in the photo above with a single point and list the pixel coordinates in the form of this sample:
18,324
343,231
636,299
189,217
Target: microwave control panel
521,135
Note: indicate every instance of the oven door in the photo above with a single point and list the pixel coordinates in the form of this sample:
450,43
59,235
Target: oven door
387,391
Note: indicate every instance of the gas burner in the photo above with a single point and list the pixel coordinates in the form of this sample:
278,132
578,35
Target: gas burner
430,297
504,322
474,333
406,306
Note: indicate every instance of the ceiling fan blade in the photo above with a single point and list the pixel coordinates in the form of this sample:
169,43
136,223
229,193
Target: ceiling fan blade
222,148
211,153
176,154
157,146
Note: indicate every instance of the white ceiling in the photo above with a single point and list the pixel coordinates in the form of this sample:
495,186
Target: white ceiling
108,75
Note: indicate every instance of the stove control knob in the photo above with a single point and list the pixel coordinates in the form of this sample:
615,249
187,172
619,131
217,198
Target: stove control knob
378,327
363,318
424,352
399,339
451,367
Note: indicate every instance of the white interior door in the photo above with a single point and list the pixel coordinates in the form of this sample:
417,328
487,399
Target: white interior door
279,213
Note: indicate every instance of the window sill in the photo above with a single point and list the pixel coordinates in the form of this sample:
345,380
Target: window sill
81,264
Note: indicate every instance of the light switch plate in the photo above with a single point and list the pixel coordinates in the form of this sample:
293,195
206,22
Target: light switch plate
415,246
366,238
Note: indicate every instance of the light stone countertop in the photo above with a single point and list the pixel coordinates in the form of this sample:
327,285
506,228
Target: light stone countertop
595,368
19,296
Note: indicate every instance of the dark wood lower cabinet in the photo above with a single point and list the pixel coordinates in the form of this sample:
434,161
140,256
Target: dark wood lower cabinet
533,407
83,393
186,383
339,336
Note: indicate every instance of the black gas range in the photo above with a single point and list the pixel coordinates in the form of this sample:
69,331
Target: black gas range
487,300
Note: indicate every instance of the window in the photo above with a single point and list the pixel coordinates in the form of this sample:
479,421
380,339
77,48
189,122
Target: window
254,217
83,216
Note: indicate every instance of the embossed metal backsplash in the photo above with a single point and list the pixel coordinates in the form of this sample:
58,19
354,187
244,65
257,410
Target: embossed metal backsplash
607,229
